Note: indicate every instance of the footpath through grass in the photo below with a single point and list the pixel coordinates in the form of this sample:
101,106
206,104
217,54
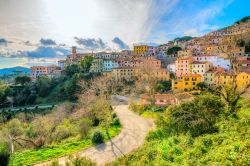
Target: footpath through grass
31,157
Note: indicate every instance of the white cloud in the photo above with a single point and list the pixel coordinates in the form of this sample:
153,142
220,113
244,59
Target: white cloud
191,32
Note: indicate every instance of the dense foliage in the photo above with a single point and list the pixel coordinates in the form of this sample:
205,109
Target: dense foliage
244,19
173,50
196,133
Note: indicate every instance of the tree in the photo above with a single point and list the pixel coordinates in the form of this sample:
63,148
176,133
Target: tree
247,47
71,87
97,137
12,133
163,86
22,80
173,50
43,85
72,69
84,127
196,117
202,85
86,63
4,154
3,90
231,93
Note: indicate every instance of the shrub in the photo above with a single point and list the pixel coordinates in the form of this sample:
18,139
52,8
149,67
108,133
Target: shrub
4,155
137,108
63,131
95,121
80,161
84,127
197,117
116,122
154,135
113,115
97,137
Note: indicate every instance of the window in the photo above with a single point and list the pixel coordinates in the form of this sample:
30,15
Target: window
186,83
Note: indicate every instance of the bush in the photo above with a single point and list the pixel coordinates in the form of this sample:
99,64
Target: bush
196,117
84,127
63,131
4,155
97,137
116,122
137,108
113,115
80,161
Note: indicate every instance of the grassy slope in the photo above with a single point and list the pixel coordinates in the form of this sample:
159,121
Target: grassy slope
29,157
230,146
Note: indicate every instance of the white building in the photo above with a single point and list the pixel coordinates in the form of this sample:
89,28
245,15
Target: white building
61,64
104,55
171,68
215,60
109,64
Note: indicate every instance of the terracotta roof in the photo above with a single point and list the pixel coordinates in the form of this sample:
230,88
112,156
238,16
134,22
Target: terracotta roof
192,75
199,62
244,62
245,69
188,58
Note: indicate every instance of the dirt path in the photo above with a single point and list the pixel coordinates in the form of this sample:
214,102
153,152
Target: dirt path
134,130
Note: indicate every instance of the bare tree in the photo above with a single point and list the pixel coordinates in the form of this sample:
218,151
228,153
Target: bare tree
232,92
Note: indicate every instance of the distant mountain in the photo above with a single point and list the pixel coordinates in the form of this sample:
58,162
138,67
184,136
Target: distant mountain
14,70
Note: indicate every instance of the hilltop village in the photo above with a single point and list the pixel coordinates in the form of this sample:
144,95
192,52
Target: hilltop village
189,63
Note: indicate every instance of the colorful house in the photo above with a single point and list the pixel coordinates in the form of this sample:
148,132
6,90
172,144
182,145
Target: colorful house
182,66
97,66
186,83
200,68
242,79
109,64
141,49
123,73
210,77
215,60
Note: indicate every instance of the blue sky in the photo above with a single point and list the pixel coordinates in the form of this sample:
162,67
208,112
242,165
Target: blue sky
43,31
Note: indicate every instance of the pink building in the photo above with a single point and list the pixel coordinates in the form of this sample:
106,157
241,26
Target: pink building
37,71
51,71
183,66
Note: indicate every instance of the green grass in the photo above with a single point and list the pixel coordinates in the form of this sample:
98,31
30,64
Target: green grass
30,157
229,146
150,114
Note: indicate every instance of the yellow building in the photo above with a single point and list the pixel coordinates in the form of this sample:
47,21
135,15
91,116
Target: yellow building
162,75
140,49
123,73
242,79
186,83
96,66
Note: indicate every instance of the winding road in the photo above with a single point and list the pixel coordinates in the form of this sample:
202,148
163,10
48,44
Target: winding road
134,131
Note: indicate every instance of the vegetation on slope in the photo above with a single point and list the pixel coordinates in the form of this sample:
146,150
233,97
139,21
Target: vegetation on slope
200,132
30,138
244,19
